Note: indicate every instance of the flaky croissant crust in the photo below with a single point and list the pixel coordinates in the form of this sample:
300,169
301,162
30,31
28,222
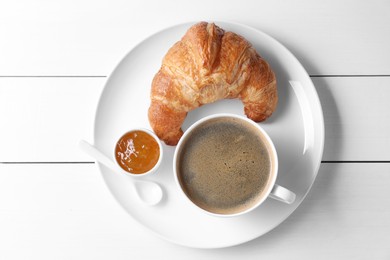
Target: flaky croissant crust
206,65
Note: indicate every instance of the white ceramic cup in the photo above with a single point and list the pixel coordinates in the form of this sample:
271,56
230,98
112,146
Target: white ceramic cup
271,190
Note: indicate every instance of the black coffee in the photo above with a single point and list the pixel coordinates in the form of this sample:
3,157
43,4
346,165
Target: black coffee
224,166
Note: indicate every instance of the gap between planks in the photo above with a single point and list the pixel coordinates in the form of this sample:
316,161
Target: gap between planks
102,76
90,162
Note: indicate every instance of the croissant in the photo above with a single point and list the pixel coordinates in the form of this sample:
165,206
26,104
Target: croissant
206,65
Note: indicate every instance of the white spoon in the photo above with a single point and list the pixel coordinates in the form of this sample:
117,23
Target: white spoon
149,192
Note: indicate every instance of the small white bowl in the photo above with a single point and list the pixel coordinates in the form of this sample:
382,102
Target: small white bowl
155,167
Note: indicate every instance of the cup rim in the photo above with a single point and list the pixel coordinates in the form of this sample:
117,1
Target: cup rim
271,182
158,163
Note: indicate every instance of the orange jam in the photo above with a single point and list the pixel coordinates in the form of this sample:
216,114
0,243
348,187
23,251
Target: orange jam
137,152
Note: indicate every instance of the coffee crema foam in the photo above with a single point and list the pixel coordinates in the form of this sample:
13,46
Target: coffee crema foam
224,166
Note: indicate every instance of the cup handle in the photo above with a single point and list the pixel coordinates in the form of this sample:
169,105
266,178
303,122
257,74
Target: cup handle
282,194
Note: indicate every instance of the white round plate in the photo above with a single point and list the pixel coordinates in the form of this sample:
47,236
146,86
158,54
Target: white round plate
297,129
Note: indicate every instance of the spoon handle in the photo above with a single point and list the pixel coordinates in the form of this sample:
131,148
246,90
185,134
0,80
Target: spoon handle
98,155
150,193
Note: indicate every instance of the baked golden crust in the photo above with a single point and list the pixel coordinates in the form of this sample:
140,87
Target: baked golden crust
206,65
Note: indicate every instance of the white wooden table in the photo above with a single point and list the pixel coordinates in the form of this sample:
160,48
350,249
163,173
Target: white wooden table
54,59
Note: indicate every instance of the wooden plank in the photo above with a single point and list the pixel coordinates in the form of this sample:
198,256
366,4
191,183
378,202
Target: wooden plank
53,211
89,37
357,118
44,118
